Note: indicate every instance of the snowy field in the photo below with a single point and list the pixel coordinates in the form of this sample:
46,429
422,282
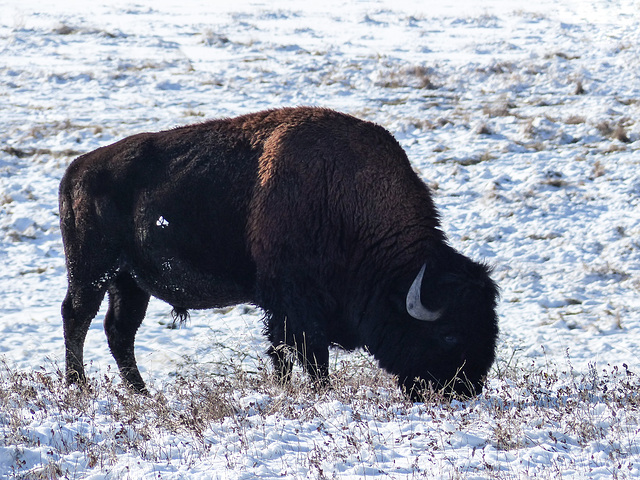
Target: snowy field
524,118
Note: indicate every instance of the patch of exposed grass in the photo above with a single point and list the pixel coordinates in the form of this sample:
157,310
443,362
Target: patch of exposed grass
575,120
33,152
615,132
415,77
499,109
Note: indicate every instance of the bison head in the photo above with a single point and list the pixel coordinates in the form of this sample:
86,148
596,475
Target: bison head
444,332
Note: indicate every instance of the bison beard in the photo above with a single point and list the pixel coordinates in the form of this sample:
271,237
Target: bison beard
315,216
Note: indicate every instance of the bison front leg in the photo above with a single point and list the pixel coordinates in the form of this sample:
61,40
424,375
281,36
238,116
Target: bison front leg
281,357
127,308
313,352
290,340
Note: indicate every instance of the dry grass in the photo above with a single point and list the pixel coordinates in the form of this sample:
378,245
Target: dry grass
615,132
523,408
419,77
34,152
498,109
599,170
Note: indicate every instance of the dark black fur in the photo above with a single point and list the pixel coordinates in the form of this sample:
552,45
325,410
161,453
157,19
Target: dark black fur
313,215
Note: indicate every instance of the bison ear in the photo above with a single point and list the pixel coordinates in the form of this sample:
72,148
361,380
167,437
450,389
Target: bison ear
414,304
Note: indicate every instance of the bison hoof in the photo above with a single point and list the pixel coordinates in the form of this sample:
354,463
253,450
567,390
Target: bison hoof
140,391
137,387
282,380
322,386
74,377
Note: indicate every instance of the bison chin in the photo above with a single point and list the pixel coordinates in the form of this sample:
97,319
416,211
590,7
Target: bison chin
441,380
457,373
459,387
437,362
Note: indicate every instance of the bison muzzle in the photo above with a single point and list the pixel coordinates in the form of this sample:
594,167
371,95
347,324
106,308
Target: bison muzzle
315,216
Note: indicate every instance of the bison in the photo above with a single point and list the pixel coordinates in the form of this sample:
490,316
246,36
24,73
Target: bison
315,216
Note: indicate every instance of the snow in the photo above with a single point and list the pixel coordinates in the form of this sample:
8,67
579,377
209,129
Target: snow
522,116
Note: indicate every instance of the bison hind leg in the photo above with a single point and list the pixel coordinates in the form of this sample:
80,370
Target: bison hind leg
127,308
79,307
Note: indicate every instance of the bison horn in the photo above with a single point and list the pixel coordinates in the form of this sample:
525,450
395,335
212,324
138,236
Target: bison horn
415,308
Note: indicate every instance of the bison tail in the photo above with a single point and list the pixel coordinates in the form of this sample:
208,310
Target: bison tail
180,316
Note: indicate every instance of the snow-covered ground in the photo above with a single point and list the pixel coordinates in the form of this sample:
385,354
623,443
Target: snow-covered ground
523,117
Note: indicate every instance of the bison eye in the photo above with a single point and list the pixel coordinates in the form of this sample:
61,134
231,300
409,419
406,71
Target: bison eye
450,340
